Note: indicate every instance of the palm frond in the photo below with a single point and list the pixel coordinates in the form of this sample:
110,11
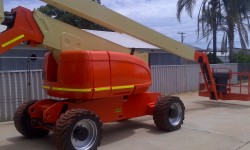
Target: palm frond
188,5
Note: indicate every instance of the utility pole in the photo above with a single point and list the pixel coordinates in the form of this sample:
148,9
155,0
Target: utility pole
182,36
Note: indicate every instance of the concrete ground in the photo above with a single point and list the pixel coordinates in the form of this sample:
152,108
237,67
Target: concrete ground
208,125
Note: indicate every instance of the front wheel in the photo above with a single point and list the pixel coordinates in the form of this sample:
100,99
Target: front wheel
169,113
78,129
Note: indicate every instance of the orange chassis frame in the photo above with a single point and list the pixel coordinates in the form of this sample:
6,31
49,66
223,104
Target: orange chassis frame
110,109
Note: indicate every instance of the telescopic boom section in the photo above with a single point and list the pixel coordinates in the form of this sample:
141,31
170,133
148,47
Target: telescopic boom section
1,12
103,16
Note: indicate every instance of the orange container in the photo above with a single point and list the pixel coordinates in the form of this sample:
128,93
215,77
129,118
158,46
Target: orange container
94,74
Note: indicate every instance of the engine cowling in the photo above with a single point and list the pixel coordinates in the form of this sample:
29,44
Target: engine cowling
94,74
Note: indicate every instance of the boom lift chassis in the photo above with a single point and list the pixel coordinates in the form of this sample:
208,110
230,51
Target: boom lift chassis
98,86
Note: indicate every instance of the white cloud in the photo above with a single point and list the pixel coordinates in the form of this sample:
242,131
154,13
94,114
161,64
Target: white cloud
31,4
159,15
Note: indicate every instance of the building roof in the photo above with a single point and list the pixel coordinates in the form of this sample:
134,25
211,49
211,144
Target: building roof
122,39
129,41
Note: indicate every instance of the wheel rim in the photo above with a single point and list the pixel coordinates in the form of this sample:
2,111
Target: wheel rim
175,114
84,134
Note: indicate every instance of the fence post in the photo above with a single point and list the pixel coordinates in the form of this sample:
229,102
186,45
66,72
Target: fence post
28,79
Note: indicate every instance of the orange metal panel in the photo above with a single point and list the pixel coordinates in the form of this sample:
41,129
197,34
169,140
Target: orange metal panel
101,69
76,69
140,104
47,110
108,109
207,75
36,110
127,70
25,29
119,108
141,88
95,74
50,68
74,76
52,113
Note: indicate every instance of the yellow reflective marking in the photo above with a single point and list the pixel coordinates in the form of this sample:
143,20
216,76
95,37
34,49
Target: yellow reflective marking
71,90
118,110
102,89
89,90
45,87
123,87
13,40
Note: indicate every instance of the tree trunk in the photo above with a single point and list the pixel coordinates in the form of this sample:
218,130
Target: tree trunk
214,43
231,40
242,40
214,27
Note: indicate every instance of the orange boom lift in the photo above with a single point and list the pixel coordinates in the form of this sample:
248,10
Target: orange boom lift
98,81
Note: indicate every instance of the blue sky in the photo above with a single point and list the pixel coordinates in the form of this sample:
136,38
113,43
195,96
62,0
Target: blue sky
159,15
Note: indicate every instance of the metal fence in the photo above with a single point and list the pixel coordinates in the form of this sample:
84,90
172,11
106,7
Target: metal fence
179,78
16,86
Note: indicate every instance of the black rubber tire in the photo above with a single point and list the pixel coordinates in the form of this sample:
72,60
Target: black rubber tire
22,122
162,110
65,126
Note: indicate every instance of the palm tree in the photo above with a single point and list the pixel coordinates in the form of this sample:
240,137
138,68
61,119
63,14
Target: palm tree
208,20
236,14
220,15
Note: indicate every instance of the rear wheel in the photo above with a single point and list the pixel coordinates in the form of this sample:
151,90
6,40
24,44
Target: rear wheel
78,129
22,122
169,113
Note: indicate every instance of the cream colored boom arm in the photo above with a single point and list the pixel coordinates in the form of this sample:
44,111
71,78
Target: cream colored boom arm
60,36
103,16
1,12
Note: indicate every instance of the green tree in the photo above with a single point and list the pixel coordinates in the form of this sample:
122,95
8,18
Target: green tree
240,58
69,18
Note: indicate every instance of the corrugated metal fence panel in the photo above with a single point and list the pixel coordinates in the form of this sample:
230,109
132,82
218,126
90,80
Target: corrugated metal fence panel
174,79
36,91
11,85
14,88
179,78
